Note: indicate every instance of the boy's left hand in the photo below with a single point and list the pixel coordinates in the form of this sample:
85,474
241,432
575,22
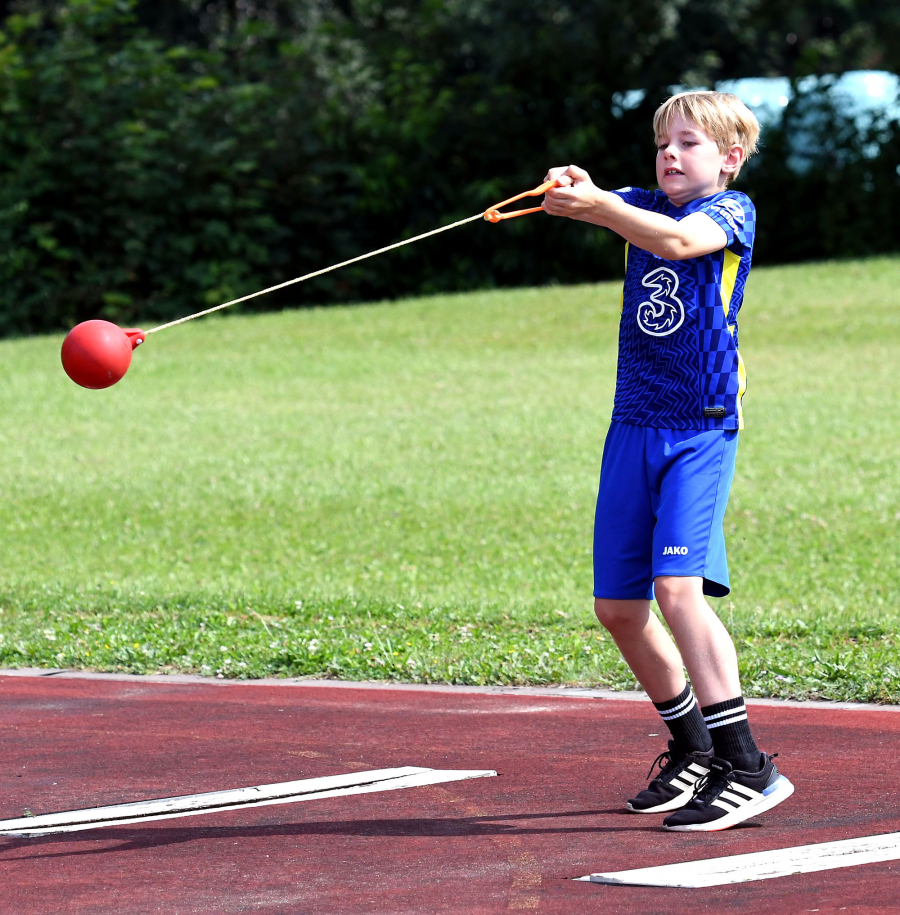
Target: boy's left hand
576,197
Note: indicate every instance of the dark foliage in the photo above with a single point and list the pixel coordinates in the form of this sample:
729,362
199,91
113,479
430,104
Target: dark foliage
160,157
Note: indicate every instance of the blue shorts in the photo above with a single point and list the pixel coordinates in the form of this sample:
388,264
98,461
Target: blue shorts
660,509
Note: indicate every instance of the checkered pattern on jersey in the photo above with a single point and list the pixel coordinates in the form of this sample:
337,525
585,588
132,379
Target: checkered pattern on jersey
678,350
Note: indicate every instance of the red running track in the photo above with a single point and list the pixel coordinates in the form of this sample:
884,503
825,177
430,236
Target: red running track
512,843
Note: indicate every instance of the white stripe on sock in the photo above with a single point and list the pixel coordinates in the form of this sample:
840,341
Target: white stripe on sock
717,724
725,714
670,716
677,711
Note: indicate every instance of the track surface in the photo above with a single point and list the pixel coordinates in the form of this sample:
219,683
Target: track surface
566,764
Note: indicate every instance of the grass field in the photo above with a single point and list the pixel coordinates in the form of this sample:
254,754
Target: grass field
406,491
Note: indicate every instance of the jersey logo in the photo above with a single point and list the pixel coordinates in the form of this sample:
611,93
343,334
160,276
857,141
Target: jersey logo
675,551
732,212
664,313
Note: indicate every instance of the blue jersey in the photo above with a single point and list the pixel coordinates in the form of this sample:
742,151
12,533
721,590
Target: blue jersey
679,366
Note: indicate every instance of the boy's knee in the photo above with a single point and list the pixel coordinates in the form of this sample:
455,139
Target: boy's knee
620,614
676,594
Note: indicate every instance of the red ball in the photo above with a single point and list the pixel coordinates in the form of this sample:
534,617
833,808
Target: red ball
96,354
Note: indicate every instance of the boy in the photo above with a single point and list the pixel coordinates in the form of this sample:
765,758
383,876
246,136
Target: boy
669,455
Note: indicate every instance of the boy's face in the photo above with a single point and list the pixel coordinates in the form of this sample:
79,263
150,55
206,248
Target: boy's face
689,163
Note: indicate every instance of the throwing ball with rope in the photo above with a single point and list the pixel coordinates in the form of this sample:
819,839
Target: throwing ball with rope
97,354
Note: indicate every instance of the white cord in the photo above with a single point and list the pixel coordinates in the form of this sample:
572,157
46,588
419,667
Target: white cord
309,276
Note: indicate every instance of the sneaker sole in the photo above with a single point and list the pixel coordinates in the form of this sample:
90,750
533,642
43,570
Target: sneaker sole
783,790
675,804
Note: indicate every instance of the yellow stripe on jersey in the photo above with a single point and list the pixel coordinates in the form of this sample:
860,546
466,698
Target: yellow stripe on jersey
627,249
742,386
729,277
730,265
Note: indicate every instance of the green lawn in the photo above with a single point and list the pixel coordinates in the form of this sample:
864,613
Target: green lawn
406,491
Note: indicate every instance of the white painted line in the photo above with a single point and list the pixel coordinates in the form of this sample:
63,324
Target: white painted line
308,789
764,865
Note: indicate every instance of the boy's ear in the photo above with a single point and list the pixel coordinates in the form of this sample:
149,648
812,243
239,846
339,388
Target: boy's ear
733,160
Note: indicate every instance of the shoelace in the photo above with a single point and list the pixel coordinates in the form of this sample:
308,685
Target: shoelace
663,760
711,785
708,785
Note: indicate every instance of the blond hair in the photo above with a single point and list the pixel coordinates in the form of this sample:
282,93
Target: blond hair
720,115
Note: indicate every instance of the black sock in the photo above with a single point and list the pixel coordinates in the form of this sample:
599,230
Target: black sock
685,721
730,732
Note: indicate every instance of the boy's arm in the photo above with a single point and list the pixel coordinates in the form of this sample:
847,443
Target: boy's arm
579,198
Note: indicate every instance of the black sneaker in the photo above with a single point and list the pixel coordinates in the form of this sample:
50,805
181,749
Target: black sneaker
674,786
728,796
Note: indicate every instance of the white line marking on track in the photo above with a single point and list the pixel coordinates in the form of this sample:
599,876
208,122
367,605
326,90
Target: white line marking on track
308,789
764,865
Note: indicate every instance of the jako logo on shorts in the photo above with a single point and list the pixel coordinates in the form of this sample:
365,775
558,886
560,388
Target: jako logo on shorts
664,313
675,551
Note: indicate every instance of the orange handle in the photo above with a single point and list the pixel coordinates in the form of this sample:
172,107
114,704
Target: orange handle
493,214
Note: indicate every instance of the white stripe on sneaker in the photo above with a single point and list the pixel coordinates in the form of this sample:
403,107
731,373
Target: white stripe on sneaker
740,807
683,783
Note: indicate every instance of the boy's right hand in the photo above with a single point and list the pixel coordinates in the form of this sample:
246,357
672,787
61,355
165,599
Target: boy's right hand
561,175
576,196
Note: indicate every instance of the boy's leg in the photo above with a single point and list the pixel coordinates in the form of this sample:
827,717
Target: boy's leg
645,645
655,661
742,781
711,661
704,643
692,474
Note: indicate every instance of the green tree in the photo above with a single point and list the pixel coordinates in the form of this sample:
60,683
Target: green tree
137,179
